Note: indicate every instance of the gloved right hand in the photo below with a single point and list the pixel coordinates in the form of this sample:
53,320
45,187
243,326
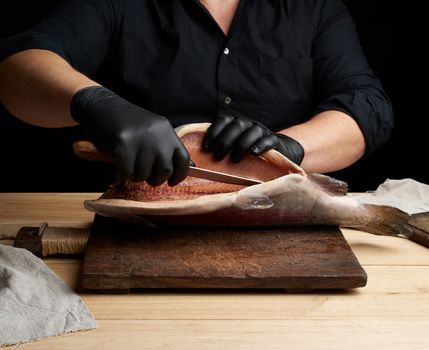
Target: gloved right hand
143,144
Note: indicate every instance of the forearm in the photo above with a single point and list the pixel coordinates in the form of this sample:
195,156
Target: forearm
37,86
332,141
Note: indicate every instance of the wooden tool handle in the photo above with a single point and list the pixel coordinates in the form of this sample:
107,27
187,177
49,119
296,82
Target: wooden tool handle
87,150
44,240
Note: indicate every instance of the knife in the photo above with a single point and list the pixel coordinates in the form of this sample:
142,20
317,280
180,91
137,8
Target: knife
221,177
87,150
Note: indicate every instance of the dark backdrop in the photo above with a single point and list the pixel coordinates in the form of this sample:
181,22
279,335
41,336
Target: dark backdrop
38,159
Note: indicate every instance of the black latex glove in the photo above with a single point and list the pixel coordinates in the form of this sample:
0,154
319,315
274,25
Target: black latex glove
240,135
143,144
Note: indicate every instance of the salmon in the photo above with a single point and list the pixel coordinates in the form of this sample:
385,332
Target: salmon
287,197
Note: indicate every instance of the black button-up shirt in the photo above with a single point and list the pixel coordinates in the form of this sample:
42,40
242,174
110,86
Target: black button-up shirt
282,62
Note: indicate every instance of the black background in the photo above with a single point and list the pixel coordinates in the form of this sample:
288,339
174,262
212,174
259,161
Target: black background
41,160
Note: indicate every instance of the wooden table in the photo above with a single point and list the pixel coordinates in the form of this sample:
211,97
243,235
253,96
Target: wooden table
391,312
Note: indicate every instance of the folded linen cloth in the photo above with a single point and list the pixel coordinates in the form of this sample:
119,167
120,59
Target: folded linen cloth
34,302
406,194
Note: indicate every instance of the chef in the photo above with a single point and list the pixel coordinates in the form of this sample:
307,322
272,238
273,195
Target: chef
288,75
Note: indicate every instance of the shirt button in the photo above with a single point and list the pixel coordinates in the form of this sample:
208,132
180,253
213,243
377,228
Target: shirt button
226,51
228,100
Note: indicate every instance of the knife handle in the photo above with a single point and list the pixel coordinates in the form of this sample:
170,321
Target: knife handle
87,150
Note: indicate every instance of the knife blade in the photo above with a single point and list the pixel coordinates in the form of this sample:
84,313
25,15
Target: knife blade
221,177
87,150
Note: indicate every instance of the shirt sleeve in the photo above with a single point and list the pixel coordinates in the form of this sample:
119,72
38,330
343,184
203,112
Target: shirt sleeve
344,79
79,31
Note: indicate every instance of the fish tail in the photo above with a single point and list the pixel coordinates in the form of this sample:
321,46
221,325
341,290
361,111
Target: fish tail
389,221
420,226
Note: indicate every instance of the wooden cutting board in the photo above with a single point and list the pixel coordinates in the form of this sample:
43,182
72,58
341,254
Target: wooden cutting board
121,256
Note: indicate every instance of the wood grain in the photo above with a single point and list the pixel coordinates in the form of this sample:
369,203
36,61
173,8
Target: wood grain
123,256
58,209
391,312
337,333
392,292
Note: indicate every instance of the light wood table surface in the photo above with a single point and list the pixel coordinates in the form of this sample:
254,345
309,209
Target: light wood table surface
391,312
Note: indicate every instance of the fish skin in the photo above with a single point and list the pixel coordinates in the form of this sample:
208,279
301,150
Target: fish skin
261,205
292,199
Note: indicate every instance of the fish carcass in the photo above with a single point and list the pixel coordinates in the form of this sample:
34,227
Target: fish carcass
287,197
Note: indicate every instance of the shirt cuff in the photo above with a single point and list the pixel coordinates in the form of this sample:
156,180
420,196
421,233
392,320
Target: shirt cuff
373,115
26,41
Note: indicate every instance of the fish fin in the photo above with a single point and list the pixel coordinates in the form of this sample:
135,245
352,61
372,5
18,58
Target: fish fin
390,221
328,184
135,219
253,201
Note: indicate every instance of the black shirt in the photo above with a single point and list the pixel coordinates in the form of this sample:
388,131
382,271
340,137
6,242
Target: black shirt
282,62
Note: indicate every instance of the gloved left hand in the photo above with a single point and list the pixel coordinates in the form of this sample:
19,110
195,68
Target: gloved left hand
240,135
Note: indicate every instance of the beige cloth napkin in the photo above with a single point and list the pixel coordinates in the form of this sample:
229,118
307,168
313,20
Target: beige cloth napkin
34,302
406,194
